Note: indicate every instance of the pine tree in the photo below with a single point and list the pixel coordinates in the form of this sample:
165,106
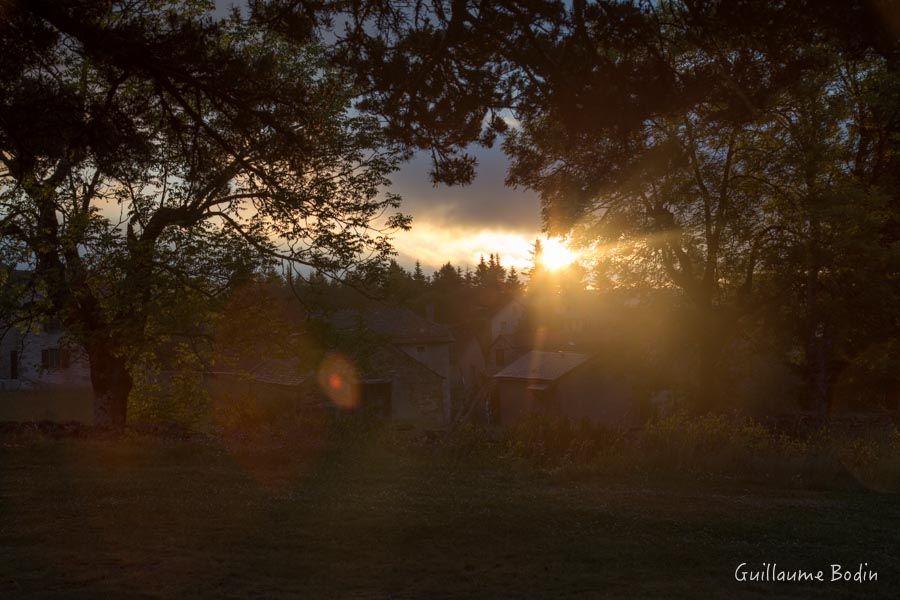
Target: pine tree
513,284
536,270
418,276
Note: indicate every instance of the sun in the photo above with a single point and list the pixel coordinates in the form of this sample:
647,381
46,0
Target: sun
556,255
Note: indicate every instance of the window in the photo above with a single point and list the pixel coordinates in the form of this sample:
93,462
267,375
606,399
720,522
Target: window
420,349
500,358
502,325
55,358
13,365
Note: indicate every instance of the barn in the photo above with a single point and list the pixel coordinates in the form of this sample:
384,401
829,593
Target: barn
561,384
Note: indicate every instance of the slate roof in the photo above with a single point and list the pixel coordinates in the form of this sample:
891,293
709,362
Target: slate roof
400,325
539,365
279,371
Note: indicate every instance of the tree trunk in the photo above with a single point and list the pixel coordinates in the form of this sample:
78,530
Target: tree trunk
818,353
707,327
709,375
818,334
111,382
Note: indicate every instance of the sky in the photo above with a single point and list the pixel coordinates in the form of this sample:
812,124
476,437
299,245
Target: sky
459,224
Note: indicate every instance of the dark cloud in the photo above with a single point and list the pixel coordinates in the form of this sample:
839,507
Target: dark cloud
486,203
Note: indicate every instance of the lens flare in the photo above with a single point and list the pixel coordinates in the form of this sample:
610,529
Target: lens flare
339,381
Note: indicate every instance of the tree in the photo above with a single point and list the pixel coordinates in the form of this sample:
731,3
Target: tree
419,276
824,168
671,185
450,294
513,284
611,94
144,145
536,273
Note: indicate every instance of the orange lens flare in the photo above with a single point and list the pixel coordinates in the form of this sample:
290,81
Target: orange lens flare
339,381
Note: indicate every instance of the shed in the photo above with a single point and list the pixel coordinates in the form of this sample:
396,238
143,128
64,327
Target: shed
560,383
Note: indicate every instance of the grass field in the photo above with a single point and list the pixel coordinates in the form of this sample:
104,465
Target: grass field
143,517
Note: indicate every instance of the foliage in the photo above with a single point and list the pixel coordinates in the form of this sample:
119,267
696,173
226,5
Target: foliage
739,154
751,175
131,185
711,447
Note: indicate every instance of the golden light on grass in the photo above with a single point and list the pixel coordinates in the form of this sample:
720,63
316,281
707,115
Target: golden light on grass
557,255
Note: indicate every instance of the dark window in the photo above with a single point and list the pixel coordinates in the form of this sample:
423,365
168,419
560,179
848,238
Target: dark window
376,399
13,365
500,358
420,349
54,358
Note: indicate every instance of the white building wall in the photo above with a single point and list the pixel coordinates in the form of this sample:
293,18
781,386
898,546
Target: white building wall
506,320
31,374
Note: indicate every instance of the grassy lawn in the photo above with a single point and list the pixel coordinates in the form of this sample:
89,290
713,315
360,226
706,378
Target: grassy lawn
135,517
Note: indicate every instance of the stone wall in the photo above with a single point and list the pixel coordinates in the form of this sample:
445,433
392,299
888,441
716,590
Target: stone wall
417,392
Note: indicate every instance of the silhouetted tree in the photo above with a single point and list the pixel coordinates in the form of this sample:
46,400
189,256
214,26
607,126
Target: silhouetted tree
221,148
720,163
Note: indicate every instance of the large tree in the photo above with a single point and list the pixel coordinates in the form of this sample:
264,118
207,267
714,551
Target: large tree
826,168
147,148
670,134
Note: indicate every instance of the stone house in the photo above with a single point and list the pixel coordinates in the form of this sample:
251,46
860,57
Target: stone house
469,360
408,368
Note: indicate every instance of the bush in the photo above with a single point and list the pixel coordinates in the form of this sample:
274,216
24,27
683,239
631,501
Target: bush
703,447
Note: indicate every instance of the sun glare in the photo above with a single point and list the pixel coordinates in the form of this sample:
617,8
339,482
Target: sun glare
556,254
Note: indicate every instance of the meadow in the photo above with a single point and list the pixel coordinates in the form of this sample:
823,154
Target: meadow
388,515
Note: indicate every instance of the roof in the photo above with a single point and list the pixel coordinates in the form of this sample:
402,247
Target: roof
539,365
279,372
400,325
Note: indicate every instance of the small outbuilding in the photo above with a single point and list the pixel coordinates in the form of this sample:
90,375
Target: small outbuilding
558,383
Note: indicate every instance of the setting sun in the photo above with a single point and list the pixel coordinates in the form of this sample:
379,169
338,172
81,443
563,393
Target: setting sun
556,255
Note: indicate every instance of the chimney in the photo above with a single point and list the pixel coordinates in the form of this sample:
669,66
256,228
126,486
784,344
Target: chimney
429,311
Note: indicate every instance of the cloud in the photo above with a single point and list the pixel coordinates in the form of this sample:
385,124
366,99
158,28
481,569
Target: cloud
435,244
460,224
486,203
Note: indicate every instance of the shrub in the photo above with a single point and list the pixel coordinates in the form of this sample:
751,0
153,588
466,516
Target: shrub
707,447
